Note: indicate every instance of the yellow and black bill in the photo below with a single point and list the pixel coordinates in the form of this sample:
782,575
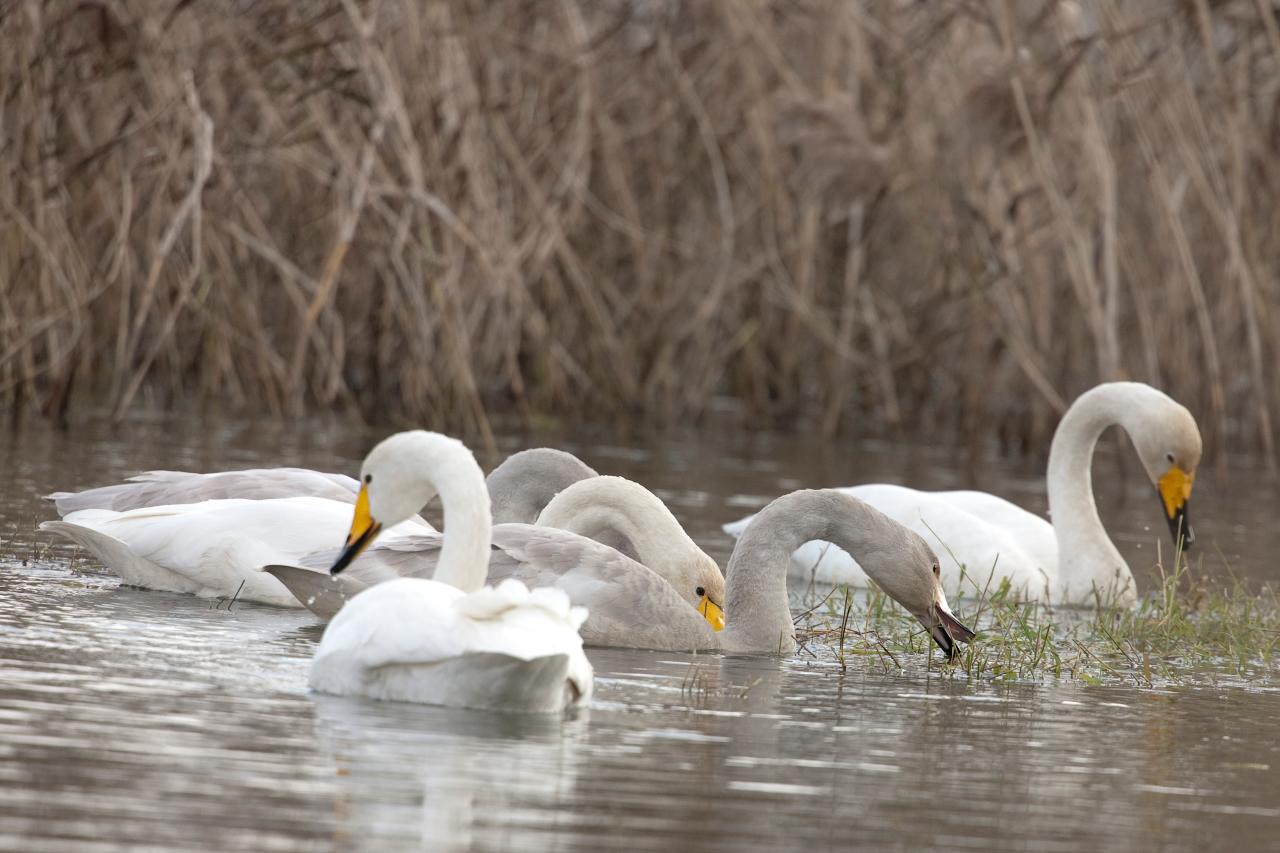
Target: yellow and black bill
712,612
363,531
1174,488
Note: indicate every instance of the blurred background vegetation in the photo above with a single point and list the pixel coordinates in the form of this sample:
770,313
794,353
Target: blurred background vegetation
829,215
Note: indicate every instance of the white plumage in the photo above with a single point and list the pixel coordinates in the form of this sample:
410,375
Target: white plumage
412,640
214,548
1070,561
451,640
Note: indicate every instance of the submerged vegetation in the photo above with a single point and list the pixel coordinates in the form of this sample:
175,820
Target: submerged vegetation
881,213
1185,630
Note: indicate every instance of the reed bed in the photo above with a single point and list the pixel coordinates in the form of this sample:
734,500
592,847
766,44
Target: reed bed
833,215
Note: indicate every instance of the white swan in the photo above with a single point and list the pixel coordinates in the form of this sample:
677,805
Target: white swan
215,547
519,488
606,580
451,640
1071,561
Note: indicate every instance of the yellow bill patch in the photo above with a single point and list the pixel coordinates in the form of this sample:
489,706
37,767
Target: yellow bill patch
363,519
1175,490
712,612
363,531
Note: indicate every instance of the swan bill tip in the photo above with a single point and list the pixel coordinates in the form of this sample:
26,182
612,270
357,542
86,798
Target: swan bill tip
1174,491
948,632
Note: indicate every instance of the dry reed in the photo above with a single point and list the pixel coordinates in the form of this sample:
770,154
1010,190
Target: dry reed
872,214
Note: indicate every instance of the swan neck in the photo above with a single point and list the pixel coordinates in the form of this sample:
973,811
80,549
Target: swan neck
522,486
608,508
757,613
468,524
1087,557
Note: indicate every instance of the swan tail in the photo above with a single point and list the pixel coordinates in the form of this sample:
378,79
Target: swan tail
481,680
321,593
735,528
494,602
131,568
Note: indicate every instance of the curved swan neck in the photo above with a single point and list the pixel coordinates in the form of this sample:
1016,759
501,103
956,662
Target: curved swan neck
451,470
1086,555
527,481
757,613
605,508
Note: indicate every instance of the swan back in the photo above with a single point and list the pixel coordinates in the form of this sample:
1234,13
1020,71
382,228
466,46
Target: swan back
523,484
165,488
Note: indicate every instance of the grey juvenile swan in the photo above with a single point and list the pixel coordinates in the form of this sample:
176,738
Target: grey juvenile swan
659,559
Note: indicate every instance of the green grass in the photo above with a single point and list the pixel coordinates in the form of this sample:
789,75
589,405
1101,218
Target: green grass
1185,631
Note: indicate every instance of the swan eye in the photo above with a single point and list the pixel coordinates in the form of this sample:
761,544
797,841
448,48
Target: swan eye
936,572
700,591
1169,456
368,478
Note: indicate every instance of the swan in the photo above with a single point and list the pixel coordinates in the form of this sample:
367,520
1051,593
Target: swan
212,545
450,640
653,615
526,481
217,548
519,488
559,551
1071,561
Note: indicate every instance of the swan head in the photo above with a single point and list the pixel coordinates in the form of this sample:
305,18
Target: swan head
906,568
1168,442
396,481
680,562
634,521
701,583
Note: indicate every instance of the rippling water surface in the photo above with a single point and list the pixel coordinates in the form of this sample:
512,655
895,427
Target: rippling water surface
146,720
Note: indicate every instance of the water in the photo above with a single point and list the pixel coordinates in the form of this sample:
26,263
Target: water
146,720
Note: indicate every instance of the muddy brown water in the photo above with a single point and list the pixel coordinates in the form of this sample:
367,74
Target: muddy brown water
132,719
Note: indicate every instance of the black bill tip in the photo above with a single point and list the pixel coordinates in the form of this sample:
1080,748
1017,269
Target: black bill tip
1184,535
945,642
948,632
354,547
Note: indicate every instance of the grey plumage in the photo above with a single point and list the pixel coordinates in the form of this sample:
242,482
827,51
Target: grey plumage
628,604
757,616
631,606
164,488
526,482
519,488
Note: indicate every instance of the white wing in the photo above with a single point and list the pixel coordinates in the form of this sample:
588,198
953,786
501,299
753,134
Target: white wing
215,548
